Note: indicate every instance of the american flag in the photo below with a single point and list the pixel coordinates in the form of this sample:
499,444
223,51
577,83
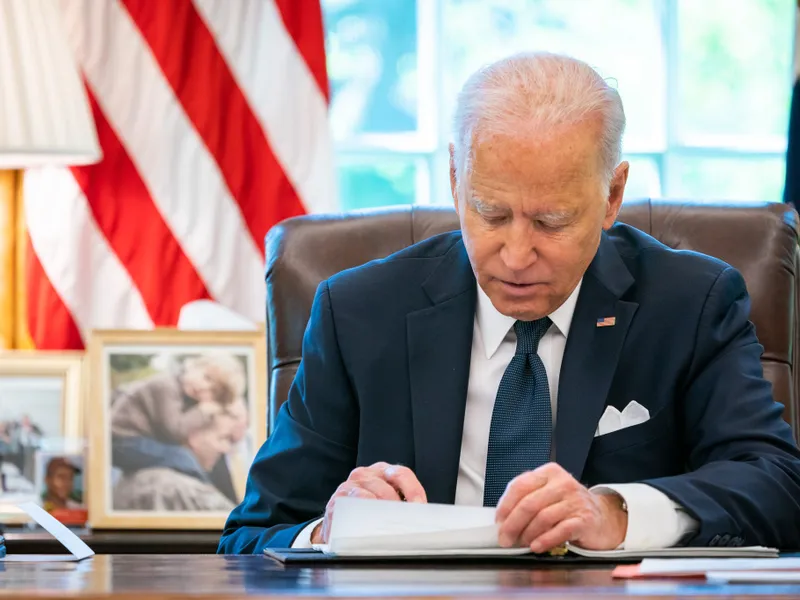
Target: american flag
212,117
607,322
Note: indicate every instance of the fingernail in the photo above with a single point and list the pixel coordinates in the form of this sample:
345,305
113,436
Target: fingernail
418,500
536,547
505,541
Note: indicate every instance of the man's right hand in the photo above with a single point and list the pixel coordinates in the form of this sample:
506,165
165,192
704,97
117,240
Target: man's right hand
380,481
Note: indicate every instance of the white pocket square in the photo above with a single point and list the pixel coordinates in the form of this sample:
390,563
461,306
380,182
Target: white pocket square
613,420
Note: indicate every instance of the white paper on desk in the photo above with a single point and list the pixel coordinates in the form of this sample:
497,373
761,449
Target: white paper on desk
38,558
78,549
382,528
379,526
691,552
700,566
753,576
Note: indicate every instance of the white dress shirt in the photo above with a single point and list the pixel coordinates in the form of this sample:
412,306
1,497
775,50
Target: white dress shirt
654,521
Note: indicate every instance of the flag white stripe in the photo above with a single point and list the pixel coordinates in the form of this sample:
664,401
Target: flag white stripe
75,255
181,175
281,91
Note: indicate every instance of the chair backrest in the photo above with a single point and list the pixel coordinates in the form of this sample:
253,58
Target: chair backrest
758,239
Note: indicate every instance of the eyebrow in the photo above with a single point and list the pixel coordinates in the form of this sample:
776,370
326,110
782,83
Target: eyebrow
554,215
485,206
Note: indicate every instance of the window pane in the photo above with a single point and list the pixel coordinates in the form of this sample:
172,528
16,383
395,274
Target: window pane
384,182
644,178
621,38
697,178
372,65
734,67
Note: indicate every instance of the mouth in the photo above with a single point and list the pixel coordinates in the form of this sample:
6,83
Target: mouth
517,288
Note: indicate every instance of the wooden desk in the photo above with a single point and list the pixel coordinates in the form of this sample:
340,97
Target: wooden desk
118,542
228,577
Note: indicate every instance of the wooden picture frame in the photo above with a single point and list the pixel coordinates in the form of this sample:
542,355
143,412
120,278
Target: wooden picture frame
42,397
159,459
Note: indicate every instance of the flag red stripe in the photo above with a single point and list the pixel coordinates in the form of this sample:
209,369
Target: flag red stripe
219,111
303,21
135,230
50,324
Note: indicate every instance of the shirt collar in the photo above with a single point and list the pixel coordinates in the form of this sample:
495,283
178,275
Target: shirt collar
494,326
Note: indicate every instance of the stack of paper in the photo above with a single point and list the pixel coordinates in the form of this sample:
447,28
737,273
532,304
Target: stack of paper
399,529
715,569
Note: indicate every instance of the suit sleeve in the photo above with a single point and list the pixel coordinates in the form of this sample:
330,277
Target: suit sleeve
311,450
743,479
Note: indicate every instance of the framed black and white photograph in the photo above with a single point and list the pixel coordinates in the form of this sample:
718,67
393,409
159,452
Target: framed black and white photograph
177,419
41,398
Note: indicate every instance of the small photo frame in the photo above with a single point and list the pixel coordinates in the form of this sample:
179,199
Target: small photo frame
41,400
61,486
177,417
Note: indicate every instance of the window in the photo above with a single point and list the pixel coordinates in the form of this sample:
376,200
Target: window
706,86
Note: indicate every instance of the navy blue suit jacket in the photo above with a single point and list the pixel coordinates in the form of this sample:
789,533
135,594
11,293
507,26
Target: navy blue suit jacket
384,373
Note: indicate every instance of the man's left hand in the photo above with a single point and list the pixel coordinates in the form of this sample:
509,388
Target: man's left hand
547,507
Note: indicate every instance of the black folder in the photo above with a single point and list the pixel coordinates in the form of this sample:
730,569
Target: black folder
309,556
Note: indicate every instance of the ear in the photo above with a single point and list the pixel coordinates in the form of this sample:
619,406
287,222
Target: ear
453,185
615,194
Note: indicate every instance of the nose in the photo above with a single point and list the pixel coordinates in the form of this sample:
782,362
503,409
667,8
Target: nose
519,249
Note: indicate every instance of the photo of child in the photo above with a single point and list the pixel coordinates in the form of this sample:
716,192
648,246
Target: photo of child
60,484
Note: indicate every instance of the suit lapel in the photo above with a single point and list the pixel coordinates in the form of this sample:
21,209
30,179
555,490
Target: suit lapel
439,346
591,355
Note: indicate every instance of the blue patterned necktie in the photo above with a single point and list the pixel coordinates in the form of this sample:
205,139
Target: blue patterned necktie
519,437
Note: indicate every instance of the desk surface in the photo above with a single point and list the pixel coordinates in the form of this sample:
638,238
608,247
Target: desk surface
227,577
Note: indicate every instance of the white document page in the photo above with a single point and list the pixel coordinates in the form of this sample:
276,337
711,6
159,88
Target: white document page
384,528
753,577
700,566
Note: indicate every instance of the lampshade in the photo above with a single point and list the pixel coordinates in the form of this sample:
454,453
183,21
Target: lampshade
45,117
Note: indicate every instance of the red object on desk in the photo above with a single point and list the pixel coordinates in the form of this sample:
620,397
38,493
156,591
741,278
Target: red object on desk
632,572
71,516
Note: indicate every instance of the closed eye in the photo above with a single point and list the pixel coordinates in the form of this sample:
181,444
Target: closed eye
494,219
548,226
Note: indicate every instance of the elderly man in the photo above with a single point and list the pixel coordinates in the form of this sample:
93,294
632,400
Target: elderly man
483,360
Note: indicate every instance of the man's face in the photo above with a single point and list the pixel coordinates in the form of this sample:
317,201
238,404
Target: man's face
534,214
60,483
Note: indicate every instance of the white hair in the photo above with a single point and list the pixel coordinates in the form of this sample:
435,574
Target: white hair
535,91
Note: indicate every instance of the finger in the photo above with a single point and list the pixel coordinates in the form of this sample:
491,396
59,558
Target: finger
380,488
516,490
405,481
546,520
567,530
350,489
360,492
526,510
361,473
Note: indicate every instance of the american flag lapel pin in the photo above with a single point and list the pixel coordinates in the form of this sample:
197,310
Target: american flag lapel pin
607,322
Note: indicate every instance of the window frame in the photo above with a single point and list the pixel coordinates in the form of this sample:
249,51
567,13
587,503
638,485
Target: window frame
428,145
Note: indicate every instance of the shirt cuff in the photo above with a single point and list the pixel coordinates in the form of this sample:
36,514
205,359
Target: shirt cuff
303,539
654,520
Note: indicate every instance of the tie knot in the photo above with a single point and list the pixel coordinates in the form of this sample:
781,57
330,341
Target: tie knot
530,333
